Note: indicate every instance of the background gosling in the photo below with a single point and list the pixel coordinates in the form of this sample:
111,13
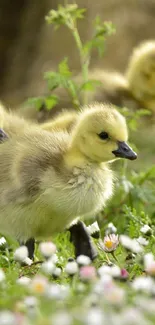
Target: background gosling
140,74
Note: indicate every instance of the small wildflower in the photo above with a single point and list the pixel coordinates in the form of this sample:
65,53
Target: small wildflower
47,249
143,283
21,254
110,243
150,269
71,268
2,276
111,229
83,260
7,318
24,281
142,241
146,230
124,274
94,316
133,316
48,267
130,244
87,273
94,230
39,284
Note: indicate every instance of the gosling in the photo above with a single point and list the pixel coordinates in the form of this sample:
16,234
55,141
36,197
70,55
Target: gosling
140,74
47,179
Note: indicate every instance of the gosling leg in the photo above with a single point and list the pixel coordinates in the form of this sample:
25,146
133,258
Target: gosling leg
82,241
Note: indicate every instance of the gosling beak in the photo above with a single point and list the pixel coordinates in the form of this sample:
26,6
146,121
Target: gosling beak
3,136
124,151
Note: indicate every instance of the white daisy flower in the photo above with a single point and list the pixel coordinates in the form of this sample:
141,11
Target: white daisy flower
62,317
83,260
71,268
48,267
47,249
111,229
109,243
21,254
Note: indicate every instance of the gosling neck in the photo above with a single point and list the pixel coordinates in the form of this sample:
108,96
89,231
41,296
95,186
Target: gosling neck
75,158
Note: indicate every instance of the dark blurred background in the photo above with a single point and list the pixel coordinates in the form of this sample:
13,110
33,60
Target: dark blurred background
28,46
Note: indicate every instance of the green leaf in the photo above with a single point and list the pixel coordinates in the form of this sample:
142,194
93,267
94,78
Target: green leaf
36,101
51,101
90,85
63,68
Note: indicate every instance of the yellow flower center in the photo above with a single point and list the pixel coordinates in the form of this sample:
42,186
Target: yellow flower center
39,287
109,244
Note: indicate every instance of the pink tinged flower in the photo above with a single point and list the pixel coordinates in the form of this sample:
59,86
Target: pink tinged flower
110,243
87,273
47,249
124,274
150,269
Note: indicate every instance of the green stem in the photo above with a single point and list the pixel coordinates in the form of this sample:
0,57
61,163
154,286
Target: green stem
84,60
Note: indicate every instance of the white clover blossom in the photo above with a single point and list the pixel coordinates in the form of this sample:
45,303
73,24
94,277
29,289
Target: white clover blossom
71,268
130,244
21,254
142,241
146,230
83,260
47,249
109,243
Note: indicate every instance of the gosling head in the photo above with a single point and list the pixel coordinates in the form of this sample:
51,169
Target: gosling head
141,71
101,134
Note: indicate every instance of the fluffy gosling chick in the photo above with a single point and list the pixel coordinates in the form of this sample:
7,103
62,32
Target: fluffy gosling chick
140,74
48,179
114,88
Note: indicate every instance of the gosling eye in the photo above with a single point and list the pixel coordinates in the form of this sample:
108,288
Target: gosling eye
103,135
